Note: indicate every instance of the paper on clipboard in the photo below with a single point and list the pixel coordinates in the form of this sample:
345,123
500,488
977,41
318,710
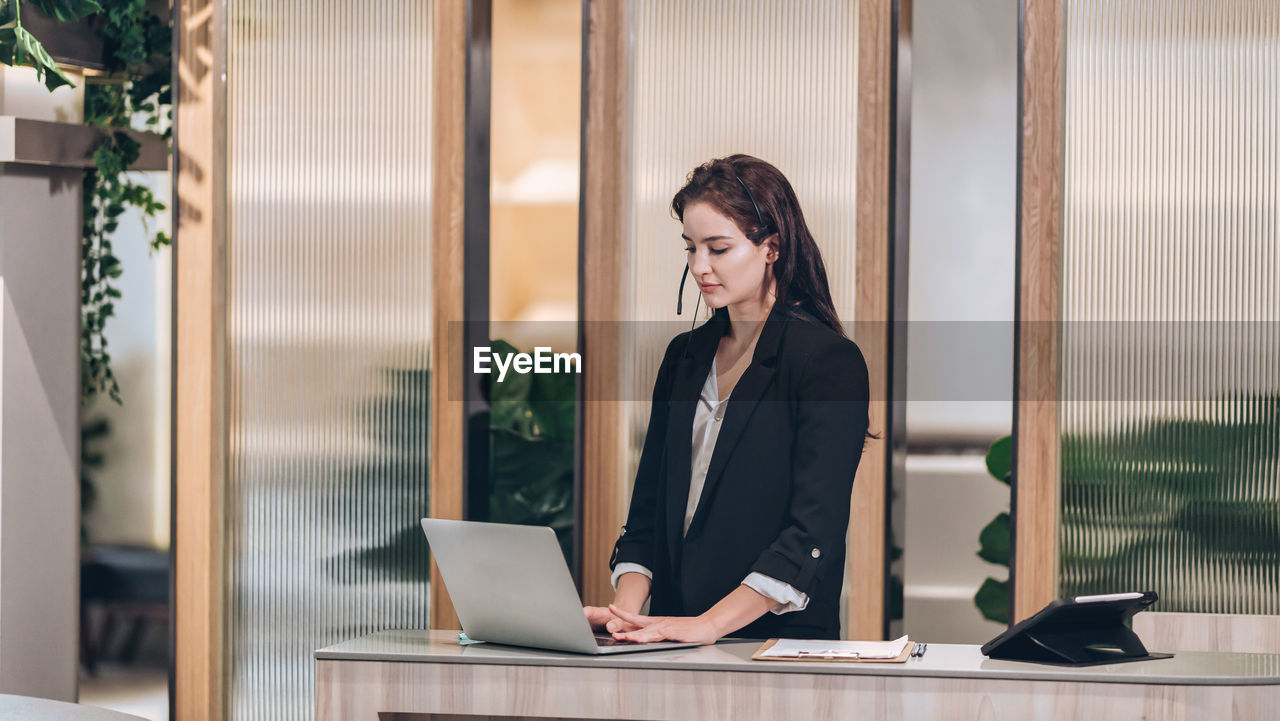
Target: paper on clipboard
791,648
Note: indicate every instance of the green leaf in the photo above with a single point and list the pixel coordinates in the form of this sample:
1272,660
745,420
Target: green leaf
67,10
24,49
994,541
1000,459
8,14
992,600
552,402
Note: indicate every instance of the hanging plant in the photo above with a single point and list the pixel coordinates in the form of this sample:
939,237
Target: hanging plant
138,84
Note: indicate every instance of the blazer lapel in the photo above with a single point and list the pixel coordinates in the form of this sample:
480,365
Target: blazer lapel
742,401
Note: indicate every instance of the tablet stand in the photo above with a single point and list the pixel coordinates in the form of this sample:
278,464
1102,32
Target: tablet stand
1078,646
1079,631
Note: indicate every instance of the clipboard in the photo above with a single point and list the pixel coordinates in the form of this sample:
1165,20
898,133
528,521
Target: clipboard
901,658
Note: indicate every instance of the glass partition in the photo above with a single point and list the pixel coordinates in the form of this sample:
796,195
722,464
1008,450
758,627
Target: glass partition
329,155
1171,348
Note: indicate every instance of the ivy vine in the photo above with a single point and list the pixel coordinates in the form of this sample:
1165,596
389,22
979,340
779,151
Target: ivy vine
138,86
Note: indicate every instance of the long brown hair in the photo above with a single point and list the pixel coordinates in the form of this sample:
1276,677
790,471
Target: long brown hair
799,271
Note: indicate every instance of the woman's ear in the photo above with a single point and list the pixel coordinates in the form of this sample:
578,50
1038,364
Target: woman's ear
771,254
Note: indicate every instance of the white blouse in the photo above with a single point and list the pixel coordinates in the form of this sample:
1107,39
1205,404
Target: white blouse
707,420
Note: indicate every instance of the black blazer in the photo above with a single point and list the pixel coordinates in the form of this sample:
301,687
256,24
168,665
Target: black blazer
777,493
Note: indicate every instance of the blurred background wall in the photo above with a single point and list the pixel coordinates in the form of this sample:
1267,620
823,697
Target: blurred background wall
960,307
533,242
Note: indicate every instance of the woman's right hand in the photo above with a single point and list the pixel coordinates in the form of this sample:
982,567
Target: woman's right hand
604,620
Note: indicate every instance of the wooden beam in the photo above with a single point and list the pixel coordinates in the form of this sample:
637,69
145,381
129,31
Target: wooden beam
199,371
448,423
872,308
601,503
1038,309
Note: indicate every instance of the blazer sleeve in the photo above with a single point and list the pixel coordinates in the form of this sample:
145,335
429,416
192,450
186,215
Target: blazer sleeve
831,412
637,542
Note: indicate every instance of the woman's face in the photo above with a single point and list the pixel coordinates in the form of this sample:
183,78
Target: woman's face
728,267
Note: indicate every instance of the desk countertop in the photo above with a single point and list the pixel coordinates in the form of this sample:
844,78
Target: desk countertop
940,661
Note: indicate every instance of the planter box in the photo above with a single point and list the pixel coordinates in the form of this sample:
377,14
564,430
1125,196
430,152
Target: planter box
66,145
74,44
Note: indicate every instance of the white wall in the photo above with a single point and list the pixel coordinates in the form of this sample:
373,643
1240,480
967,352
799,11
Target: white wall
39,404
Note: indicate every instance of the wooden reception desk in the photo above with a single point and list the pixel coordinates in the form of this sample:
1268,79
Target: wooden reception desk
412,675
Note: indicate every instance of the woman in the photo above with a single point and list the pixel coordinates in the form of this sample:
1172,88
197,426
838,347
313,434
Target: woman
741,500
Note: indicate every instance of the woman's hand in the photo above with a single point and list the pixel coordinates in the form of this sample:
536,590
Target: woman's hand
602,619
691,629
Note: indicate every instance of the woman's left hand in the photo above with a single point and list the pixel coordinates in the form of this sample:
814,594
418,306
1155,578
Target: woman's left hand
689,629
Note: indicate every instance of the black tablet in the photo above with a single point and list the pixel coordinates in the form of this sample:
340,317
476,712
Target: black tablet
1077,631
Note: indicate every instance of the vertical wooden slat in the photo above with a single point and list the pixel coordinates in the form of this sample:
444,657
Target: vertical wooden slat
872,308
1036,459
600,306
200,430
447,409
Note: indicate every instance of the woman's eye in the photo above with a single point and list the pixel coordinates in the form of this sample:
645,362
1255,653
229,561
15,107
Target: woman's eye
719,251
688,250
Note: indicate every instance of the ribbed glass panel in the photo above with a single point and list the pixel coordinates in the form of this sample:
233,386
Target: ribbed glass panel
329,320
1171,349
776,79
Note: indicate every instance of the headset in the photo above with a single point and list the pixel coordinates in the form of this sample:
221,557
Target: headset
763,231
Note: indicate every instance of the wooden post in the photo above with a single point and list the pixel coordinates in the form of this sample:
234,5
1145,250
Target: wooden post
1037,340
448,422
199,371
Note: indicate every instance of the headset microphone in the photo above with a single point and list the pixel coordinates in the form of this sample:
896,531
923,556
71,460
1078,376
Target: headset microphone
680,296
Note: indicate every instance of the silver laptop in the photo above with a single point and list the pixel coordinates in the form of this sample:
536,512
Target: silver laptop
510,585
